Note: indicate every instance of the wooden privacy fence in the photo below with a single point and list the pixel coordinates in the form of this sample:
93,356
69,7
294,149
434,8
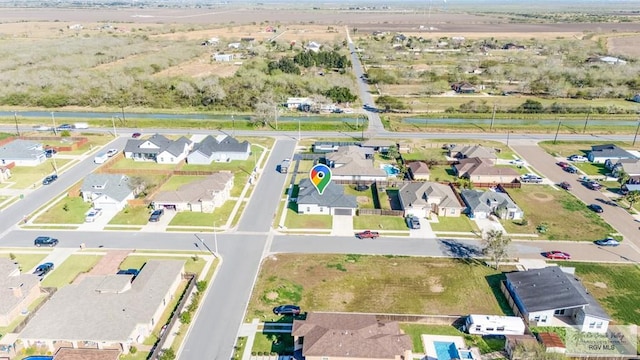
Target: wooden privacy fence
380,212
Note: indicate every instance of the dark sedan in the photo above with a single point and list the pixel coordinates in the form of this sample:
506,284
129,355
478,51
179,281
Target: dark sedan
607,242
286,310
43,269
49,179
596,208
156,215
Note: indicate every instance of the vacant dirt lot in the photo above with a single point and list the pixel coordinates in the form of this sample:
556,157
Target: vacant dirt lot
624,45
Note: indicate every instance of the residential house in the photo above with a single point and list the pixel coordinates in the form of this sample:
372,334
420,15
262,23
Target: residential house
333,200
418,170
379,146
127,309
331,146
5,173
203,195
17,291
222,57
421,199
313,46
473,151
159,149
211,42
482,204
463,88
354,163
601,153
350,336
65,353
22,153
296,103
222,148
479,170
539,295
630,167
109,192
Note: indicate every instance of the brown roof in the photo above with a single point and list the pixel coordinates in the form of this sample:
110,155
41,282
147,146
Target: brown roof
479,167
350,335
86,354
550,340
525,340
418,167
205,189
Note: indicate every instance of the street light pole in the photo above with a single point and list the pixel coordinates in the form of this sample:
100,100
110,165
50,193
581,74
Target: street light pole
113,122
586,121
215,239
53,118
15,117
636,135
557,131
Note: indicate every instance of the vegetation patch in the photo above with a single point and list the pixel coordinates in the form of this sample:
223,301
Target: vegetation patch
379,222
25,261
307,221
265,344
455,224
69,210
415,331
132,215
65,273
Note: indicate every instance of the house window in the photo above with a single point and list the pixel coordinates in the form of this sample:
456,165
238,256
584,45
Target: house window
543,319
500,328
599,325
537,318
308,209
489,329
559,312
321,209
592,325
478,328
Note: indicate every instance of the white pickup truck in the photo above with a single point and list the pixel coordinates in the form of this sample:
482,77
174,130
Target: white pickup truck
81,125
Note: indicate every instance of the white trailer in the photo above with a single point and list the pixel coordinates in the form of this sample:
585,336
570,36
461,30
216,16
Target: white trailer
494,325
81,125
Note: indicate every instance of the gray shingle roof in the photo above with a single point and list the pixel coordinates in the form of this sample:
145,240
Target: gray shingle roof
21,150
610,151
25,282
478,200
115,186
210,145
551,288
79,312
332,196
161,144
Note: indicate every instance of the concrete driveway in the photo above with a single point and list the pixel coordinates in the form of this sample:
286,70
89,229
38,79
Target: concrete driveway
619,218
342,225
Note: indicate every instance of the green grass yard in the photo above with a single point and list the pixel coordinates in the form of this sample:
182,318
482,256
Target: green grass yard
307,221
458,224
415,331
74,265
69,210
268,343
25,177
132,215
26,261
379,222
194,218
192,264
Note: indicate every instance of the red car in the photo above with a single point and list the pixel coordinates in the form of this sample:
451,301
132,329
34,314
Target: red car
557,255
136,135
562,164
367,234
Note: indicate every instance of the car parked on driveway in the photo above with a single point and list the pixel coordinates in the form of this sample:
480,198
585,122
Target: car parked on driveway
413,222
49,152
45,241
286,310
112,152
156,215
136,135
578,158
49,179
43,269
557,255
596,208
609,241
92,214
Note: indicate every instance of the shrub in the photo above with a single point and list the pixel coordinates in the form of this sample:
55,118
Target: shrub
201,285
185,317
12,256
133,349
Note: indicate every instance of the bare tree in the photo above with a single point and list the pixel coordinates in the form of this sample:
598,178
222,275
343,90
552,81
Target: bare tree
495,245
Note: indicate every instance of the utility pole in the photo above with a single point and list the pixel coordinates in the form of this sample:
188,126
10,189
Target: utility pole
113,122
586,121
233,126
636,135
215,239
15,117
557,131
55,130
493,117
508,133
275,113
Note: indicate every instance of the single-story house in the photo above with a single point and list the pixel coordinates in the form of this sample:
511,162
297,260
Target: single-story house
222,57
159,149
350,336
203,195
538,295
379,146
17,291
463,88
331,146
630,167
423,198
127,309
354,163
473,151
22,153
313,46
68,353
234,45
295,103
333,200
479,170
222,148
601,153
482,204
418,170
108,191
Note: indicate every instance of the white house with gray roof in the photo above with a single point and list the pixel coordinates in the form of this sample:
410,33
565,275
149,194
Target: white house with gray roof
333,200
424,198
107,309
539,295
482,204
109,192
354,163
17,291
22,153
221,148
159,149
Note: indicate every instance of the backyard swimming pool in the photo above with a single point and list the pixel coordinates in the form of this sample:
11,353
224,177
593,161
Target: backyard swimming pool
38,358
447,350
390,169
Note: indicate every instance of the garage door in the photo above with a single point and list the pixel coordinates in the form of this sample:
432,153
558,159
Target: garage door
342,212
106,206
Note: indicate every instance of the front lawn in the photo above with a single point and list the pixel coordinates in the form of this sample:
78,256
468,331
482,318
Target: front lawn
65,273
375,284
26,261
28,176
194,218
192,264
267,343
130,164
379,222
131,215
415,331
307,221
456,224
568,148
70,210
593,169
565,217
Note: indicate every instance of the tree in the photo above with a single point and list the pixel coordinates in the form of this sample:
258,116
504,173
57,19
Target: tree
168,354
393,152
632,197
623,177
495,245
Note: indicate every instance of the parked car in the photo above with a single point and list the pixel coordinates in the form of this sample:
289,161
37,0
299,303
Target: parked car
42,128
596,208
92,214
367,234
156,215
65,127
49,152
557,255
593,185
563,164
609,241
570,169
286,310
45,241
565,185
517,162
136,135
531,178
49,179
112,152
101,158
578,158
413,222
43,269
133,272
